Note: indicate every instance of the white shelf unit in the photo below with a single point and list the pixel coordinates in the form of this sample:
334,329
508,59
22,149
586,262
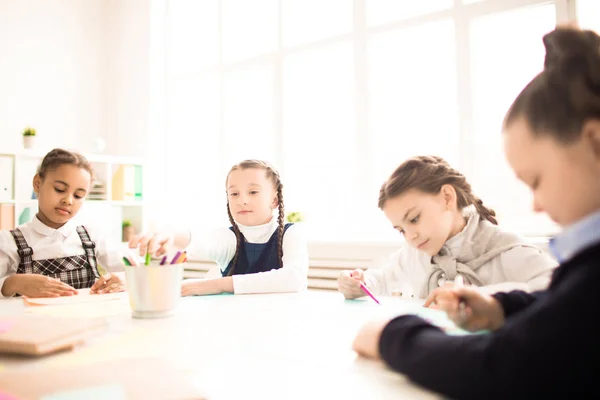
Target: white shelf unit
16,188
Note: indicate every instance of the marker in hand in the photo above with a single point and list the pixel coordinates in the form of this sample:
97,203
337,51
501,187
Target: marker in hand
367,291
357,275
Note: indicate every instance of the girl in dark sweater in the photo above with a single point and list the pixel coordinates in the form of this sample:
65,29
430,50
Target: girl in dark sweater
543,344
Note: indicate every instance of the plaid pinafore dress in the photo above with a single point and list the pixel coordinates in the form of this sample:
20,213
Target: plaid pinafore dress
78,271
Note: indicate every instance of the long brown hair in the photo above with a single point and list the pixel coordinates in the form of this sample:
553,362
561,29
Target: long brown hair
273,175
57,157
559,100
428,174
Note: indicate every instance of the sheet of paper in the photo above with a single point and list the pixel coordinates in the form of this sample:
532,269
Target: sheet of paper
82,310
83,296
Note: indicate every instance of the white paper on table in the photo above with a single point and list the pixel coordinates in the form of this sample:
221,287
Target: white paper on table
83,296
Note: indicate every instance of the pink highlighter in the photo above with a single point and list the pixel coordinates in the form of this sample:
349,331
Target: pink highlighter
367,291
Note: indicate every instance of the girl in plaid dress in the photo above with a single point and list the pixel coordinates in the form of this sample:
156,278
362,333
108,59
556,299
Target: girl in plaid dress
259,253
52,256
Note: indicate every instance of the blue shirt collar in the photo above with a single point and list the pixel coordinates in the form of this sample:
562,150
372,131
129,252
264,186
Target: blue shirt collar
577,237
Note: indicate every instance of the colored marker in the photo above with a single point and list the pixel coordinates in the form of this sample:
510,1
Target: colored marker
132,261
174,260
181,257
148,258
126,262
164,260
367,291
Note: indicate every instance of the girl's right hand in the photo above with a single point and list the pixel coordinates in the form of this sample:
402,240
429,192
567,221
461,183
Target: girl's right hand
156,244
349,283
467,307
36,285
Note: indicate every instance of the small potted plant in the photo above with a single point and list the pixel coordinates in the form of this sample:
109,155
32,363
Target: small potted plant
29,138
295,216
128,230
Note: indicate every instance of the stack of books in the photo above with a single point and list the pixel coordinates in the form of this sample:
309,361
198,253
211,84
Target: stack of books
98,191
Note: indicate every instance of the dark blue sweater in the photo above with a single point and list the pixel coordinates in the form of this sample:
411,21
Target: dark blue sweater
549,346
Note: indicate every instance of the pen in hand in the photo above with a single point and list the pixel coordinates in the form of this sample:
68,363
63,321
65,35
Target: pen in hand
367,291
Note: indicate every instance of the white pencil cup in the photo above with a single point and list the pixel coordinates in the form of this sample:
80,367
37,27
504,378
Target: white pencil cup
154,290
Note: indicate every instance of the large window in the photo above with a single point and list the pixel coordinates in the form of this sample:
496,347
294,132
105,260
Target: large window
503,61
588,14
337,93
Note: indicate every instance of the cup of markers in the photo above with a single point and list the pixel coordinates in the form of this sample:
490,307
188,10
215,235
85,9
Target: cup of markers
154,286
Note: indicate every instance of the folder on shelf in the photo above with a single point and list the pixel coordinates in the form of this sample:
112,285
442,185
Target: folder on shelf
138,183
123,183
116,380
7,216
25,216
36,335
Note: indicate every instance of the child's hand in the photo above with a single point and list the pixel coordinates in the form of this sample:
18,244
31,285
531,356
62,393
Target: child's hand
36,285
366,342
477,312
108,283
155,244
349,283
194,287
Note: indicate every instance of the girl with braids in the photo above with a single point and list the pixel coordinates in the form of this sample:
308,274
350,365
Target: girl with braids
52,255
541,344
259,253
449,234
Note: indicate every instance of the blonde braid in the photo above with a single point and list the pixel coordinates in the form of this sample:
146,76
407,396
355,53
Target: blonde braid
280,222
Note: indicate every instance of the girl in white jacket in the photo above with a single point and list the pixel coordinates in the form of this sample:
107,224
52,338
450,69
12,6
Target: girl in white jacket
448,233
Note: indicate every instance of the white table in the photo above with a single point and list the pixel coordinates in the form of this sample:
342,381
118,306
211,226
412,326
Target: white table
274,346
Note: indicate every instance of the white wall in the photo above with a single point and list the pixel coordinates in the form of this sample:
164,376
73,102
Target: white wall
53,71
75,70
128,48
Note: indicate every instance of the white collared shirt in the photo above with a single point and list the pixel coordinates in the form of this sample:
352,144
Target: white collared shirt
576,237
220,245
50,243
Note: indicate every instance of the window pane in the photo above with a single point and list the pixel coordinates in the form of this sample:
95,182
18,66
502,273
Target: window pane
250,28
193,41
412,100
502,64
309,20
192,151
588,14
320,139
248,114
384,11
